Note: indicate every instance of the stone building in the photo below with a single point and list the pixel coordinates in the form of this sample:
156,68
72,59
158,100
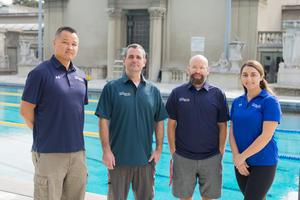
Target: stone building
170,30
18,38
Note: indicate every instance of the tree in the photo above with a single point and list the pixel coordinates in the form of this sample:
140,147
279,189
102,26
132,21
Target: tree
28,3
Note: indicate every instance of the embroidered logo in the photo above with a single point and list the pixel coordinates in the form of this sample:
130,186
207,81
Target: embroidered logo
125,94
184,99
240,105
256,106
57,77
79,78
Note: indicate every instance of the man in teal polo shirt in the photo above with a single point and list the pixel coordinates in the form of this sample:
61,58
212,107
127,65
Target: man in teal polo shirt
130,109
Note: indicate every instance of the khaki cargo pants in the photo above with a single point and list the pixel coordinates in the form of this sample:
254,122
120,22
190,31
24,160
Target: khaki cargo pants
59,176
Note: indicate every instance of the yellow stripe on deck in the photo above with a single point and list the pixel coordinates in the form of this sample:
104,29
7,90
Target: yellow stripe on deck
24,125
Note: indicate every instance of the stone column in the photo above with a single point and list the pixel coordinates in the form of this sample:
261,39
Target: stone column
114,38
2,44
2,49
289,72
155,46
53,18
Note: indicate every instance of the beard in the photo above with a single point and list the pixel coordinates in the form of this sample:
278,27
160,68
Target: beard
197,81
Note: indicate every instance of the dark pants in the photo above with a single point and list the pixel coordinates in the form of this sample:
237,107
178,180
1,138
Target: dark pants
141,178
256,185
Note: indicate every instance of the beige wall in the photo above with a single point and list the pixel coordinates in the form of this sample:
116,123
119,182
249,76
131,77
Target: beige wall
186,19
269,14
244,25
90,21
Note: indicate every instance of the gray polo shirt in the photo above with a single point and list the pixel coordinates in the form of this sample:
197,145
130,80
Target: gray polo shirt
132,113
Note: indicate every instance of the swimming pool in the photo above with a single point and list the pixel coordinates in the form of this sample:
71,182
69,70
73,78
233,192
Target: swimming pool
287,135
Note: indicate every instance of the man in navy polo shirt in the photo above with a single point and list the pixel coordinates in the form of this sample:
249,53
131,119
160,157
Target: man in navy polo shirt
130,109
53,107
197,132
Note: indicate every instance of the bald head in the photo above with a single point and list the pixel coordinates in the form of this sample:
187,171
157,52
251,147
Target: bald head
198,58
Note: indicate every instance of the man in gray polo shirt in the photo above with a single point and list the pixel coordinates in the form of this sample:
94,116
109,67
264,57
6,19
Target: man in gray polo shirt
130,109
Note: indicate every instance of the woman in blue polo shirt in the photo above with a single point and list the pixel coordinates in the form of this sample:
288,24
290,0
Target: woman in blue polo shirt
254,118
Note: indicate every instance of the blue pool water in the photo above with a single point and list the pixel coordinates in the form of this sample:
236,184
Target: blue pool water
287,136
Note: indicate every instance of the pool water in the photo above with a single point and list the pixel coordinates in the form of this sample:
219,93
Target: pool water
287,135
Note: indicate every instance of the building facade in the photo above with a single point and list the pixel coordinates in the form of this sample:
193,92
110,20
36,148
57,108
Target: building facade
170,30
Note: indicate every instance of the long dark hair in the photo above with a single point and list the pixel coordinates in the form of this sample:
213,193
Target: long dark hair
256,65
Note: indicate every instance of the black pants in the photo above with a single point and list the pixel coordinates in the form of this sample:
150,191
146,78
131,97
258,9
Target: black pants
256,185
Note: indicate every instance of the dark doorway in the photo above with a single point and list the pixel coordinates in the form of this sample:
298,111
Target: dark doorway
138,27
270,62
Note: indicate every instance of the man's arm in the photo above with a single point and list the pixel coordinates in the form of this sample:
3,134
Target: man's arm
27,112
108,157
222,136
171,126
159,137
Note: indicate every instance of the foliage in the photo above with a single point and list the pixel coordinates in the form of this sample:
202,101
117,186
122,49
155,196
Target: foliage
28,3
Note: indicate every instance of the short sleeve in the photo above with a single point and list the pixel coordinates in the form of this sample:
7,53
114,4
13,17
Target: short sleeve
232,109
224,110
86,98
271,110
171,106
32,89
161,112
104,107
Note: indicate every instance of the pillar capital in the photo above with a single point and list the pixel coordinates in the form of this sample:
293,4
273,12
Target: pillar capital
114,12
156,12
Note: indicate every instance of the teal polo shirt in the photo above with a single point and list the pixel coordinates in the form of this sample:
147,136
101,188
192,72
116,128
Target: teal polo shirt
132,113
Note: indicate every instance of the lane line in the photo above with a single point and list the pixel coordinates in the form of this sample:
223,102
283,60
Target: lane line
18,105
20,94
24,125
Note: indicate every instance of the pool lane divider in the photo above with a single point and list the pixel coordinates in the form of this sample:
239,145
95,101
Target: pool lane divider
24,125
20,94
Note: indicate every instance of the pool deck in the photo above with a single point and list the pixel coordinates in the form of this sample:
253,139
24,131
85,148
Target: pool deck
22,189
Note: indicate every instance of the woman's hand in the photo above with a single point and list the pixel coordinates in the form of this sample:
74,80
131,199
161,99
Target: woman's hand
243,169
238,159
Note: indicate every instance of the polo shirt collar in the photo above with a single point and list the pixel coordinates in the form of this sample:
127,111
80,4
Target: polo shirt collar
58,65
205,86
264,93
125,79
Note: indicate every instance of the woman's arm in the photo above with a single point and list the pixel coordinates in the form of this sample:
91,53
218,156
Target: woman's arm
242,168
259,143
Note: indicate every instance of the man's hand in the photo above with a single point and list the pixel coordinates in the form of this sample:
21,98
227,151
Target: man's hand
155,155
108,159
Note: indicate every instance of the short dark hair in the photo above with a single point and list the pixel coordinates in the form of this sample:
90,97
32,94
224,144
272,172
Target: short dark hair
65,28
135,46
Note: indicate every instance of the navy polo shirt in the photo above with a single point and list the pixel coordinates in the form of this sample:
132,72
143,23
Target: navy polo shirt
59,96
197,114
132,113
248,118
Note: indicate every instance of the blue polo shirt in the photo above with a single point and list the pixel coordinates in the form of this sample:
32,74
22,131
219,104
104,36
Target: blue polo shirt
197,114
59,96
248,118
132,113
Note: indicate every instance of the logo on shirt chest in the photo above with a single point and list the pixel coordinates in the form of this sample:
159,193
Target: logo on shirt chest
182,99
79,78
125,94
256,106
57,77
